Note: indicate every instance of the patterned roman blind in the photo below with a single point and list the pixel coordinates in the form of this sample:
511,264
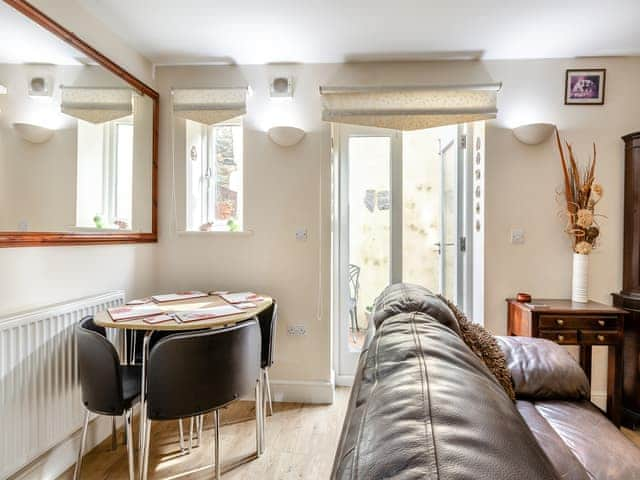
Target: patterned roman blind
409,107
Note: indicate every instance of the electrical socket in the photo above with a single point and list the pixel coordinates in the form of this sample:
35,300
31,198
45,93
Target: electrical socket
296,330
517,236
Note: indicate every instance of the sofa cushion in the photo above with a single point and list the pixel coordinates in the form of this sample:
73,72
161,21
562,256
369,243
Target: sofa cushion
423,405
485,346
541,370
580,441
406,297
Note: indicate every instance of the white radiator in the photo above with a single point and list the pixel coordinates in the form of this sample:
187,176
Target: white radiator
40,403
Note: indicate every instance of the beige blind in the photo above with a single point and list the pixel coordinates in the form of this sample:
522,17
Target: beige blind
97,105
210,105
409,107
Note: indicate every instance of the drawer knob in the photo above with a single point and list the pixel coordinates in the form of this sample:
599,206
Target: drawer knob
601,323
600,338
560,321
560,338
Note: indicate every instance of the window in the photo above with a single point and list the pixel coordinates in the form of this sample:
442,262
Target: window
214,176
105,174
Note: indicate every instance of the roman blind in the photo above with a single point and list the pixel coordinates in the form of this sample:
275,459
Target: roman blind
97,105
409,107
210,105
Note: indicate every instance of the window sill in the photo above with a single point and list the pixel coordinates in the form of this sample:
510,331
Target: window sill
196,233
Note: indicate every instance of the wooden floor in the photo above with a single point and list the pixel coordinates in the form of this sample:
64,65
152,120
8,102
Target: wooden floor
301,441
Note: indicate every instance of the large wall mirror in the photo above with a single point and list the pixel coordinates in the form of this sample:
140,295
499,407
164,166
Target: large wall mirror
78,139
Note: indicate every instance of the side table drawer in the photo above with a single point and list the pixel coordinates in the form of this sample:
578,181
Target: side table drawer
590,337
563,337
571,322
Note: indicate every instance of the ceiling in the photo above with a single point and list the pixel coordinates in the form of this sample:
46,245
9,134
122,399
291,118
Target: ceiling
22,41
317,31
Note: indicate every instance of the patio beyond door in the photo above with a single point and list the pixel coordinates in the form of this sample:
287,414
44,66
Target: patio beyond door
400,204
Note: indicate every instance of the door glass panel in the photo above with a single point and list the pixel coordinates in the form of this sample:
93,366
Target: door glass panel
429,216
369,229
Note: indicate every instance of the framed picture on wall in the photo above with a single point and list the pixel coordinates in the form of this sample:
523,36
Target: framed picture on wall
585,87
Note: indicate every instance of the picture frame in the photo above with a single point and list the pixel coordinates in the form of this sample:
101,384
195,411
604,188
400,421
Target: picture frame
585,86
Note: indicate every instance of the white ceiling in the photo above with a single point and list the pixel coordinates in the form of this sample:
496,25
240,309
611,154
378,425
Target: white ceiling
316,31
22,41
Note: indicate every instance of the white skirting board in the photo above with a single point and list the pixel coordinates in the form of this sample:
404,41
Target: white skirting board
302,391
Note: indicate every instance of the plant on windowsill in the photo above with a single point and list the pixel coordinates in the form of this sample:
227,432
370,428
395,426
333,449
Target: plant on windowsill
581,193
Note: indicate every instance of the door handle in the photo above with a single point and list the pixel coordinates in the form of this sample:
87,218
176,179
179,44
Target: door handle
438,246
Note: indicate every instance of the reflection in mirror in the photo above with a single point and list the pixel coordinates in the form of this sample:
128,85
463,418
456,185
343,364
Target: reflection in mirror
76,141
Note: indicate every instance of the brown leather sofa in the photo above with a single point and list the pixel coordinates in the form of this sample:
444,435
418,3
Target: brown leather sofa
423,406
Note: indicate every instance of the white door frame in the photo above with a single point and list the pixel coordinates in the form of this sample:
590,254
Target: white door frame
340,218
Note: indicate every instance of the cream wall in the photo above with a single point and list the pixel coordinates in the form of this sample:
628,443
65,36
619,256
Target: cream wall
522,181
289,188
285,189
40,276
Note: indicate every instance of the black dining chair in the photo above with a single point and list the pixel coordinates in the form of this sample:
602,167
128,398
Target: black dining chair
108,388
191,374
268,320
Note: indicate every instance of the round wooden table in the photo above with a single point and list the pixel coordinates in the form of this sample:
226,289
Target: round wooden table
103,319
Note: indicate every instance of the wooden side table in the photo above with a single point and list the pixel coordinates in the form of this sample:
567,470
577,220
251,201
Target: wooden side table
582,324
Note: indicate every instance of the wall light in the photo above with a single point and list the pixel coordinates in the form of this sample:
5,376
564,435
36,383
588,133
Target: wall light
3,90
286,136
33,133
534,133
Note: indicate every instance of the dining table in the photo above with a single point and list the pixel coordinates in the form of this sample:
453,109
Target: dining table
104,319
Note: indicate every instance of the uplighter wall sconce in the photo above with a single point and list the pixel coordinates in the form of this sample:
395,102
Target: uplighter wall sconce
33,133
286,136
534,133
3,90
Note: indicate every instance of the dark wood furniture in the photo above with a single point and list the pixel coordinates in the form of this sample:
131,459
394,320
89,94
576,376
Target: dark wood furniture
582,324
43,239
629,297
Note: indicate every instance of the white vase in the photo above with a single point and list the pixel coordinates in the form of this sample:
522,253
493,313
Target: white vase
580,283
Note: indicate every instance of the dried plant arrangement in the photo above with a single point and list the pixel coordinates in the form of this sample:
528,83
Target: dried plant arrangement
582,194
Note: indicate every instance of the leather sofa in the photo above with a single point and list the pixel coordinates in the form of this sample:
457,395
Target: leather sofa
424,406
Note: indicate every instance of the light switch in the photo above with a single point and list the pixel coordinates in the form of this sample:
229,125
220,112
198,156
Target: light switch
302,235
517,236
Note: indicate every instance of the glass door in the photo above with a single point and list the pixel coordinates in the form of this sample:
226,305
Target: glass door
398,218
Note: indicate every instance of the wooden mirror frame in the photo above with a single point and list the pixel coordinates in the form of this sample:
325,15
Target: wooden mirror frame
43,239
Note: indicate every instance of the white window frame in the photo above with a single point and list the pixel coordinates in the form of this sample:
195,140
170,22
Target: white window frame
110,169
208,165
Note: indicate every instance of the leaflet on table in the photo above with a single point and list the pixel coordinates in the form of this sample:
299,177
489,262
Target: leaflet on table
207,313
131,313
241,297
174,297
245,305
139,301
163,317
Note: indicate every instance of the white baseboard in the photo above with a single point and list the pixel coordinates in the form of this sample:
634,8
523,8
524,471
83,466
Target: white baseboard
303,391
57,460
344,380
599,398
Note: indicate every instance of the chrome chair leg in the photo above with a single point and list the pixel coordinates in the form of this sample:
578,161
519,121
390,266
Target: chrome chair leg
129,435
181,433
190,433
216,426
83,441
114,434
200,426
144,466
259,419
143,393
268,387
